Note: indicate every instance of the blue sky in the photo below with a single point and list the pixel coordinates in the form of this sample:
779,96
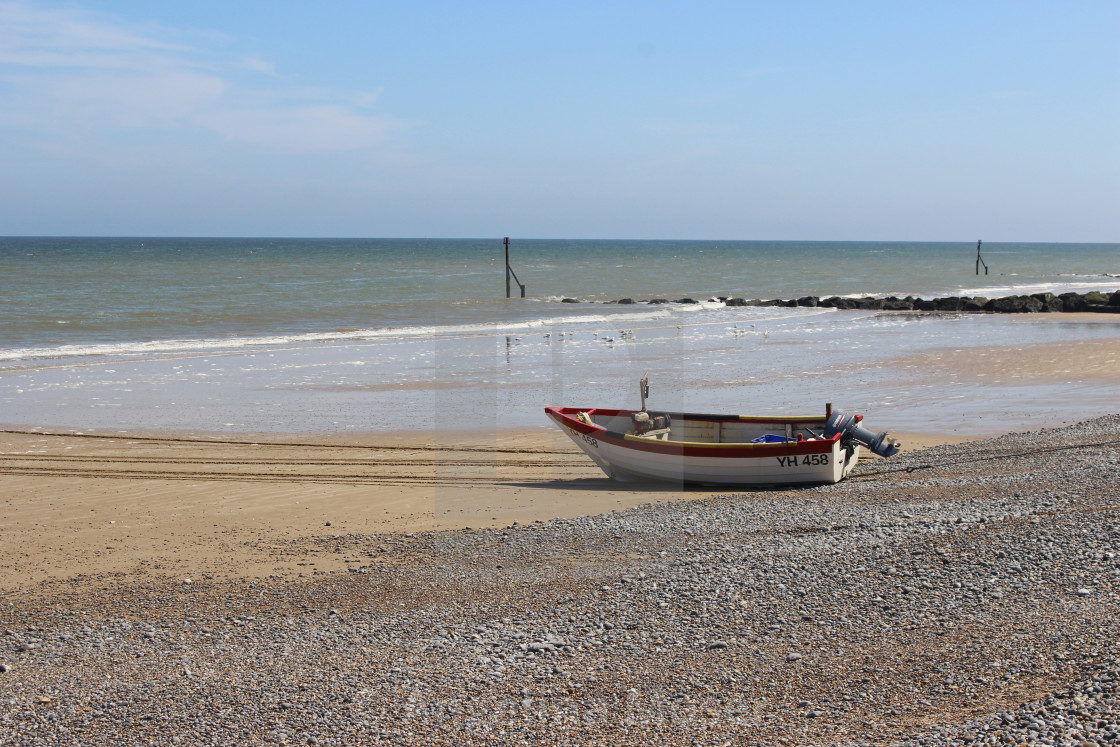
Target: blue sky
705,120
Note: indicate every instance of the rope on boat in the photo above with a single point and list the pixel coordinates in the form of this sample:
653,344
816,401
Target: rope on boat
991,457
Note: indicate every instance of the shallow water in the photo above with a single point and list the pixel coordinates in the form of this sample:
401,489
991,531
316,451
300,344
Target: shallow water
64,297
729,360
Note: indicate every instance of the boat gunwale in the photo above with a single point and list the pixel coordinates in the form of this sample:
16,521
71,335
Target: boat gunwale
730,449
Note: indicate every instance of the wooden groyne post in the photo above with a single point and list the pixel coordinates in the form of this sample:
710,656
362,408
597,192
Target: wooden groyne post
509,272
979,261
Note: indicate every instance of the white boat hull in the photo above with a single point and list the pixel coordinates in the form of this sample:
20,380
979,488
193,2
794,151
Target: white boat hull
710,449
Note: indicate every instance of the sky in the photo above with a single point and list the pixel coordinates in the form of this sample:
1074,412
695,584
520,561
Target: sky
892,121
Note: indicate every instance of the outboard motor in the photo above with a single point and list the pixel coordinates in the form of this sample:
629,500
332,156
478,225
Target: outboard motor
848,427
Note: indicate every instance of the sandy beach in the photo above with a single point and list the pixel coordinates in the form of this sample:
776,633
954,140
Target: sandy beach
178,505
101,528
78,506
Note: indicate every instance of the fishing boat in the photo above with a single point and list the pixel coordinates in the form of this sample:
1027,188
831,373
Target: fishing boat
702,449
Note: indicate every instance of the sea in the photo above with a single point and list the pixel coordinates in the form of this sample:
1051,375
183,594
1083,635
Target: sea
356,336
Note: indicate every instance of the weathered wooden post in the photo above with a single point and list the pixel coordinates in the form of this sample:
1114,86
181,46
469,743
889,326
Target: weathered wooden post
980,261
509,271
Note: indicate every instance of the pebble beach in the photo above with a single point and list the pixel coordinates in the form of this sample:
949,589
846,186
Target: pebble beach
958,594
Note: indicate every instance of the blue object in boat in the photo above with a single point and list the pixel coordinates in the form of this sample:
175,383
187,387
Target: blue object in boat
771,438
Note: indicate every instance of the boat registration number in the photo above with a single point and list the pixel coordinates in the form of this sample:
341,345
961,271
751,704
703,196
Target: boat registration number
589,440
809,460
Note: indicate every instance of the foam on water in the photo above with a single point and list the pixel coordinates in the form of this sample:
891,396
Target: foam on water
348,336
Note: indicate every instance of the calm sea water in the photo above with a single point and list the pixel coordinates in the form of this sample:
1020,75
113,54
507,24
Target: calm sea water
358,335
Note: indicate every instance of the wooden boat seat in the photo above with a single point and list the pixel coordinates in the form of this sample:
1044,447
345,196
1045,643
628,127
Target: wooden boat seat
660,434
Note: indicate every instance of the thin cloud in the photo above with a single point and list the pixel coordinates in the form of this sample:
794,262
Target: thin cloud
48,38
71,75
257,65
309,129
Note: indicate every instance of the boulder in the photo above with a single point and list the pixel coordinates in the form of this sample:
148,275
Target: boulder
735,302
1049,301
808,301
921,304
1014,305
568,300
1074,302
892,303
950,303
977,303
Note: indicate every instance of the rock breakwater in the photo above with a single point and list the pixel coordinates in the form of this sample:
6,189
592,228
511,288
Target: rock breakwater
1094,301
